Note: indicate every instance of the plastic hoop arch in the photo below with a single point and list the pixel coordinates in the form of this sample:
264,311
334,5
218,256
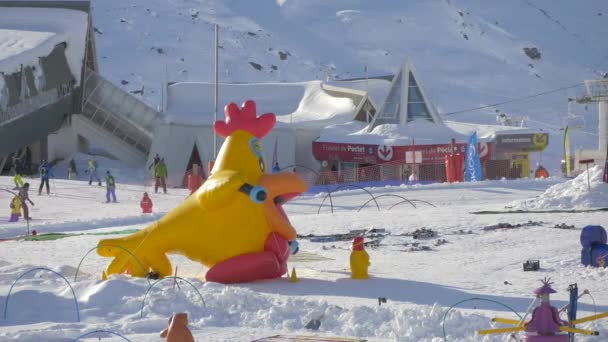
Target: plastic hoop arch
143,302
119,247
414,200
388,195
41,269
100,331
468,300
346,186
301,166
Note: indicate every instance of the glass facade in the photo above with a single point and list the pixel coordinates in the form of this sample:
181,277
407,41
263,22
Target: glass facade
416,107
390,112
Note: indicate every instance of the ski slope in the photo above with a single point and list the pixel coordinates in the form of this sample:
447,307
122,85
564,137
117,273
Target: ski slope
467,53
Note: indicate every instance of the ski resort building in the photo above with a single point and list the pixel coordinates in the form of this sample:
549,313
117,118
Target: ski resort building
185,135
408,138
53,102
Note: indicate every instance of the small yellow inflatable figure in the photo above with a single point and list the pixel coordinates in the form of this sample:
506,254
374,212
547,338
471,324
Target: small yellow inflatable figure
234,223
359,259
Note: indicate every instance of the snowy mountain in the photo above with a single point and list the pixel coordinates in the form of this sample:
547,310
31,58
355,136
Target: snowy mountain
468,53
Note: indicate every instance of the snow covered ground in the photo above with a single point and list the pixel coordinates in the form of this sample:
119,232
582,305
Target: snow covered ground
419,285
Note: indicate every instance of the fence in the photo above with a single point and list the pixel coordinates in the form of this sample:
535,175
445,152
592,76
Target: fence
396,172
402,172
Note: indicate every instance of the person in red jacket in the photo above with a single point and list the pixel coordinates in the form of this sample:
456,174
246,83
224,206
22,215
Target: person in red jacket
146,204
195,179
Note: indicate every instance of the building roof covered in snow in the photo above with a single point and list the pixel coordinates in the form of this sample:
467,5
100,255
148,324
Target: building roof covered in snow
301,104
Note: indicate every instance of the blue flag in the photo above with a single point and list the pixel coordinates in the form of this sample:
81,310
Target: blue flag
472,169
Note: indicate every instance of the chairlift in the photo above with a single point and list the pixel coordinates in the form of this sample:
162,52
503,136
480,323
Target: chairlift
572,120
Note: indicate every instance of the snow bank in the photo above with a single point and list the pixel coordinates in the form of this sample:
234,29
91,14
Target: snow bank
571,194
120,299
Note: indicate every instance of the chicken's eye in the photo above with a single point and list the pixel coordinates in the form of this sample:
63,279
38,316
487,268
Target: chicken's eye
262,165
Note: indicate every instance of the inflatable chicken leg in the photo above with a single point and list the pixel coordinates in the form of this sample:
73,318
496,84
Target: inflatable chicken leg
234,223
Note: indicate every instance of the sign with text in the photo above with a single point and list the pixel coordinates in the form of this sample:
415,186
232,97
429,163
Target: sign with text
345,152
522,142
374,154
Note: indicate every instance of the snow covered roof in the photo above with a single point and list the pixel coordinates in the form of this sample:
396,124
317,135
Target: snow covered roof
422,131
487,132
27,34
301,104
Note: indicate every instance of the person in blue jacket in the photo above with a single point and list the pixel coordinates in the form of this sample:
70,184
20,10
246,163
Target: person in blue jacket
45,173
110,187
276,168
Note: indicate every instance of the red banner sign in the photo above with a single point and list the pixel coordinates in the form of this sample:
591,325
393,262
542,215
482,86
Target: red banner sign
374,154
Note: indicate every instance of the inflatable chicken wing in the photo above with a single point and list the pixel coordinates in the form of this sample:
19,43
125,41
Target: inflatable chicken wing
234,223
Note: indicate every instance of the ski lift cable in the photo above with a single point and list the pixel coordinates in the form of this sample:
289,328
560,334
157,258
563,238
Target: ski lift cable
514,100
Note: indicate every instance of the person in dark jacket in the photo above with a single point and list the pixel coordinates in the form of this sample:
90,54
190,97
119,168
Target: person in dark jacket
160,174
110,187
45,173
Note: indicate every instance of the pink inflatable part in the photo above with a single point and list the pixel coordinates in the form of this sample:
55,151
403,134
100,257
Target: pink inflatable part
272,263
276,244
253,266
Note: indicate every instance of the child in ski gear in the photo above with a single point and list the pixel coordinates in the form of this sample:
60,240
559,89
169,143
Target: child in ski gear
45,174
18,181
160,174
93,171
23,199
146,204
541,172
15,209
359,259
276,168
110,187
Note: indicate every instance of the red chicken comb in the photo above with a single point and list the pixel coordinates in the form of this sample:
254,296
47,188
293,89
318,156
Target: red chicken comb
244,119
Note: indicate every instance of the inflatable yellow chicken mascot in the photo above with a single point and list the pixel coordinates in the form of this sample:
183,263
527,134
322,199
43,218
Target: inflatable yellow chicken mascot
234,223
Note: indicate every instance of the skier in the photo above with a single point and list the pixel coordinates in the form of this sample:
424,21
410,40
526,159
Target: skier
93,171
146,204
45,174
72,173
15,209
160,173
24,198
110,187
18,181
